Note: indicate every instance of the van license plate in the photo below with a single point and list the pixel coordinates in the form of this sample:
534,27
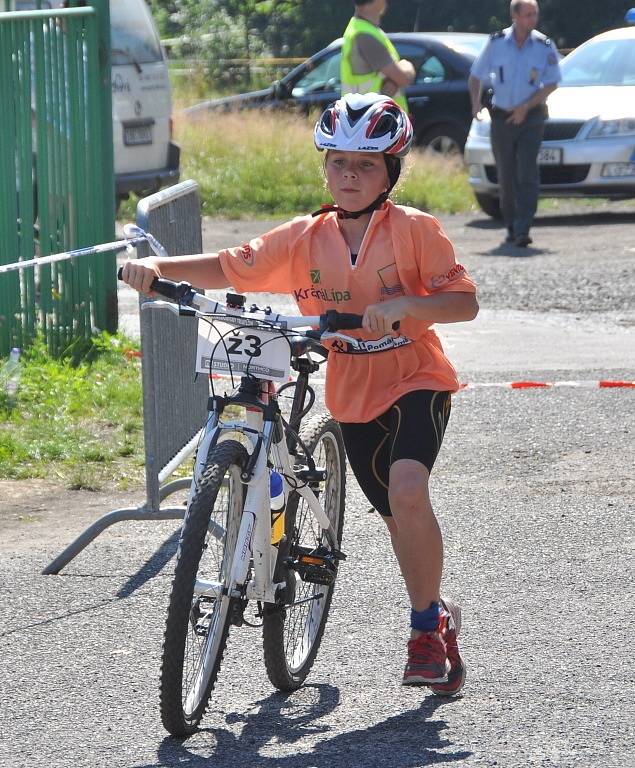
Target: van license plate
133,135
550,156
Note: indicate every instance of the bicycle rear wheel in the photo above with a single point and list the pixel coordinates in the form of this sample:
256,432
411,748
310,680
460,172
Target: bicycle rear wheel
292,633
197,624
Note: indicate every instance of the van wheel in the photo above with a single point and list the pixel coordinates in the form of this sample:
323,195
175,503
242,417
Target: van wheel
444,139
489,204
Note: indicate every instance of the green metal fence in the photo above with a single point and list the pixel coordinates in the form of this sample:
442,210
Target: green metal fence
56,173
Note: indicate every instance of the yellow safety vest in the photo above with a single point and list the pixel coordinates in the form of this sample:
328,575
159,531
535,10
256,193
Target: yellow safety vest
371,82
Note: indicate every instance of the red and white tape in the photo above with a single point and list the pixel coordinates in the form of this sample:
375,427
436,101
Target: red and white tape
590,384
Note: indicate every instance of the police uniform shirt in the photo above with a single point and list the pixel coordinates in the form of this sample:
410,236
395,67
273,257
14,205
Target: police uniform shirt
514,73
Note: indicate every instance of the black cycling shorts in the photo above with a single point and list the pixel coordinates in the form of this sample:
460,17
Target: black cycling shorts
412,428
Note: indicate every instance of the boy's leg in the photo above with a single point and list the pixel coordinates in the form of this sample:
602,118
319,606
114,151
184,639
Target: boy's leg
415,533
418,545
398,450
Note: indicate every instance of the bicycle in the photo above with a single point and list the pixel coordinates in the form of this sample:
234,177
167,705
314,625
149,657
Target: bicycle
232,548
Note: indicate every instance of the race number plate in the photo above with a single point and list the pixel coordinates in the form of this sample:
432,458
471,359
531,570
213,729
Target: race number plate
227,349
550,156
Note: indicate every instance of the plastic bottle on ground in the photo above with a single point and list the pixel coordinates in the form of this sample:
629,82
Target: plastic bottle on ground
11,376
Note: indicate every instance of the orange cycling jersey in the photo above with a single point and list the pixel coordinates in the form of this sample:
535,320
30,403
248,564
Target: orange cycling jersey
404,253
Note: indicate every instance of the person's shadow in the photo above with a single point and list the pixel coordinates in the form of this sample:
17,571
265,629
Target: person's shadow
569,220
407,740
591,219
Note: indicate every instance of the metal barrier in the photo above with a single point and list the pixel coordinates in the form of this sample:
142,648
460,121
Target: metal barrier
174,402
56,173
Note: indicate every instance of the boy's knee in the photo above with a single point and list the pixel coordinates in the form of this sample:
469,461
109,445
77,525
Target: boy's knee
408,493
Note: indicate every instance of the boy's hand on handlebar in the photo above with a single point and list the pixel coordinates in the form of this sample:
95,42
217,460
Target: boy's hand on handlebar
381,317
140,273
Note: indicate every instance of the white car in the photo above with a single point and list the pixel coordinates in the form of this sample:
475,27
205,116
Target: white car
145,157
588,148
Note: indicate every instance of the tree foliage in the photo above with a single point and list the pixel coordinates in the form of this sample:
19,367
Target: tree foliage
301,27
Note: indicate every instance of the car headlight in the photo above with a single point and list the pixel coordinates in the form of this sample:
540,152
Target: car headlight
625,126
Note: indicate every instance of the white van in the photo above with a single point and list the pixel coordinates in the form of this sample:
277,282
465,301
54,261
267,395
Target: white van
146,159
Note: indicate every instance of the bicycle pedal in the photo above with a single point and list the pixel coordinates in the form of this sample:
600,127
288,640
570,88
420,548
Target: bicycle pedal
317,566
317,475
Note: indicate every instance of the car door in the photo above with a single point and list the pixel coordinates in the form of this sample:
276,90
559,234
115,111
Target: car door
438,99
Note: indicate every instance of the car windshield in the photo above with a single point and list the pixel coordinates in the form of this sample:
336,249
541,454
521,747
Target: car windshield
320,77
471,45
133,37
601,62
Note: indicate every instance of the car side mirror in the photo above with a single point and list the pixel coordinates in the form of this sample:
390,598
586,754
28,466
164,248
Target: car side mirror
280,90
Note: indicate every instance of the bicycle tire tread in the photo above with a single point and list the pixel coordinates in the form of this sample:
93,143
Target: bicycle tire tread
273,624
195,526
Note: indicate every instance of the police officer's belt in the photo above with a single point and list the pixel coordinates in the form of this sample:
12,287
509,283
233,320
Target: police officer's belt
505,113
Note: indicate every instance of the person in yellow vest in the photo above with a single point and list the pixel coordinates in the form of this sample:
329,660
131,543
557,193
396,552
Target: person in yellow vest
370,62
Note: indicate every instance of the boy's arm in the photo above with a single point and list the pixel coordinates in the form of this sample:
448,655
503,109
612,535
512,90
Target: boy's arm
443,307
202,270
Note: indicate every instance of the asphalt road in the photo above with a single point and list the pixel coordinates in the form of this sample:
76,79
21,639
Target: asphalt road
535,491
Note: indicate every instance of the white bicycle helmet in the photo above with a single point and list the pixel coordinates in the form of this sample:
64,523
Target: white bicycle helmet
364,123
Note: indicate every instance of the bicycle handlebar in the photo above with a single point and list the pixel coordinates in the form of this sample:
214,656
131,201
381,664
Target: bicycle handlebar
331,321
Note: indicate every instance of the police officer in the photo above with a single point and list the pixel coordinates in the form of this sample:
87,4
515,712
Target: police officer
370,62
522,68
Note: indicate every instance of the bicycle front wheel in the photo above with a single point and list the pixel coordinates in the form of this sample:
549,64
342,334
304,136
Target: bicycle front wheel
197,624
292,633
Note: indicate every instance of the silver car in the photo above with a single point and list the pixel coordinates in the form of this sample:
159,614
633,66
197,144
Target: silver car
588,148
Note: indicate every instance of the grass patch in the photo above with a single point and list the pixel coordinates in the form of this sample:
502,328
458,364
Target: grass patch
262,164
77,419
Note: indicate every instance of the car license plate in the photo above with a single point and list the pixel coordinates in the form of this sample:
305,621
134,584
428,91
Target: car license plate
133,135
550,156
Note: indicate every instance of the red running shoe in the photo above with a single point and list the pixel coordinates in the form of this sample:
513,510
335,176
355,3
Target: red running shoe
427,659
456,675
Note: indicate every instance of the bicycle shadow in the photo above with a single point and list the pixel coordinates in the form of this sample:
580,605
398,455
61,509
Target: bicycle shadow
407,740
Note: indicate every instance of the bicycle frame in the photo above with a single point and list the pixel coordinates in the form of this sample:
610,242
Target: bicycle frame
253,544
263,429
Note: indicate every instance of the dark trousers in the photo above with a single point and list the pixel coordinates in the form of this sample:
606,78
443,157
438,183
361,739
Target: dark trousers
516,149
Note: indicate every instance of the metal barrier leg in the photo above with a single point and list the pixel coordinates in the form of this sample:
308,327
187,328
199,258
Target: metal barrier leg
116,516
172,425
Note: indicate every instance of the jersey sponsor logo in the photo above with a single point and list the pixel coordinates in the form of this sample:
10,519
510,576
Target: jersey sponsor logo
391,290
315,276
247,254
334,296
449,277
390,282
372,345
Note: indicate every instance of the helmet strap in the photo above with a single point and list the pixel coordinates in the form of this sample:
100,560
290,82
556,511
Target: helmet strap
342,213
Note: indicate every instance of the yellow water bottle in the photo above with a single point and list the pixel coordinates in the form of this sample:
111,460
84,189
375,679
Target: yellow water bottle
276,489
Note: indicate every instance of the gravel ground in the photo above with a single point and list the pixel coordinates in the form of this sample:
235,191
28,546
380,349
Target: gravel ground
535,493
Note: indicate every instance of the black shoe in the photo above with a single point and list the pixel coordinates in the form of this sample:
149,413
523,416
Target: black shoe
510,235
522,241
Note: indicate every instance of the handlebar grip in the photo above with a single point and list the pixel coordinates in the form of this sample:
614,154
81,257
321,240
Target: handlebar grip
346,321
168,288
342,321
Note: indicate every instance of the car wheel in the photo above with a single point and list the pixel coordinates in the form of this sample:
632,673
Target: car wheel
489,204
445,139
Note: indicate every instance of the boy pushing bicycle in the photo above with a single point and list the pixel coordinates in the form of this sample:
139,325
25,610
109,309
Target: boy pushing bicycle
393,264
